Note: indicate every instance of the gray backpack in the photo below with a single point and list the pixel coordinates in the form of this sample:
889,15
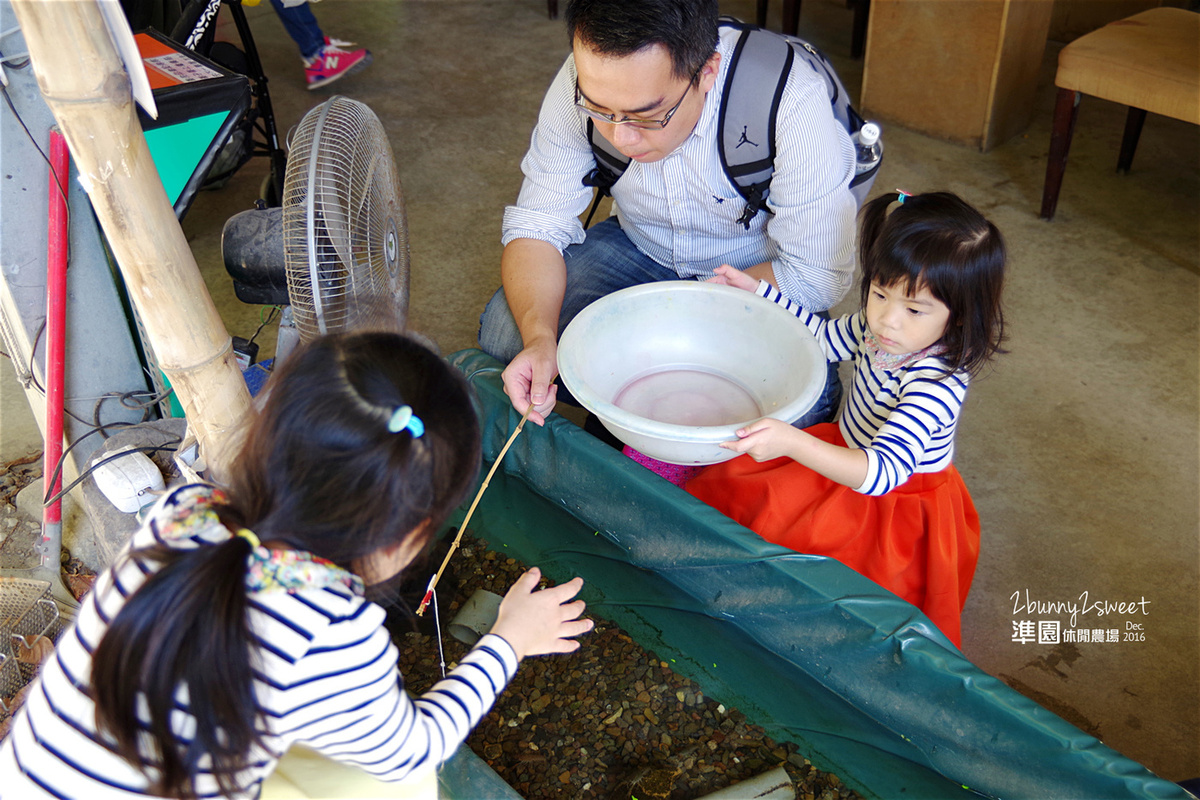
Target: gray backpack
758,70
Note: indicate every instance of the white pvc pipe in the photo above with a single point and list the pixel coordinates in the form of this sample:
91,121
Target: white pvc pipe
476,617
773,785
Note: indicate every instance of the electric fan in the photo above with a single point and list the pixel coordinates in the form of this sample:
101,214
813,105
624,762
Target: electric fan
336,254
345,230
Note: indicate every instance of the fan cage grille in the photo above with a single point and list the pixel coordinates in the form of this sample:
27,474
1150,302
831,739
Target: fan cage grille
344,223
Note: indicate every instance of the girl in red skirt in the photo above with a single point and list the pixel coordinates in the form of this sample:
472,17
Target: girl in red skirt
877,490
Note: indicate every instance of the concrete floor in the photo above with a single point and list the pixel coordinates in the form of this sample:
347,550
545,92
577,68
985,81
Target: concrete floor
1081,448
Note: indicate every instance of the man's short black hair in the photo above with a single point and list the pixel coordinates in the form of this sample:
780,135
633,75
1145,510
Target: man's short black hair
687,28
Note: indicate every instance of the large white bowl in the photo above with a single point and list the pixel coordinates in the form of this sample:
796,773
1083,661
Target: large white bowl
674,368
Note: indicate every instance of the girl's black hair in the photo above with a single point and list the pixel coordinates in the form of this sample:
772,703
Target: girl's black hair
317,470
687,28
939,242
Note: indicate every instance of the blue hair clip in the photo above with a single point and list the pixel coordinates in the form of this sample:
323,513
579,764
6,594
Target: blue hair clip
403,418
903,195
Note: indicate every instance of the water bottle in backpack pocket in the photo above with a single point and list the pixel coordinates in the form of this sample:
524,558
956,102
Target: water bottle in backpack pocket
868,153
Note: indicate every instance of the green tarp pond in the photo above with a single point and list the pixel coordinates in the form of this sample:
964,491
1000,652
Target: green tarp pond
805,647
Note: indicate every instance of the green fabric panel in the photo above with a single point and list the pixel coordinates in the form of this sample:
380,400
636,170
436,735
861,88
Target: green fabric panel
804,646
466,776
172,400
177,149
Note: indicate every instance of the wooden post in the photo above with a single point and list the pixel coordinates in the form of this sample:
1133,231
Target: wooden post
87,89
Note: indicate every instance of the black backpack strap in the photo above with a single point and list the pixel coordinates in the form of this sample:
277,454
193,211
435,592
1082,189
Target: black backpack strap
610,166
754,83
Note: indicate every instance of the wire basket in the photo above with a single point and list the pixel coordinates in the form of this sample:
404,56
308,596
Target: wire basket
27,612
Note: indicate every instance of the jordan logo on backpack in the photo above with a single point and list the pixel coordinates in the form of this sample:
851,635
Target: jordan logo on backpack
744,139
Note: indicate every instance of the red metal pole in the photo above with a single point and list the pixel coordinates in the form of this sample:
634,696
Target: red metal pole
56,329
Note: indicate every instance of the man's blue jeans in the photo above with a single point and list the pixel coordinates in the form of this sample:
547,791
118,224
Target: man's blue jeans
606,262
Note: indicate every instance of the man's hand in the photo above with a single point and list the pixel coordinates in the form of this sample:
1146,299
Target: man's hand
527,379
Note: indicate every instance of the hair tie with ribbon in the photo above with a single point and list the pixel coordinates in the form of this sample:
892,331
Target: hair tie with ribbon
903,195
403,418
249,536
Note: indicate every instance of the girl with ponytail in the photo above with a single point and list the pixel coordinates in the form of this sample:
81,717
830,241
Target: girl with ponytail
238,621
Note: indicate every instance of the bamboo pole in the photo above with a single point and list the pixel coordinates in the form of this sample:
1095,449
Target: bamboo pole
87,89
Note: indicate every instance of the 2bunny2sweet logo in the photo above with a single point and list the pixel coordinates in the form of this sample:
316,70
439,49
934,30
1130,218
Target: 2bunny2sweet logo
1051,631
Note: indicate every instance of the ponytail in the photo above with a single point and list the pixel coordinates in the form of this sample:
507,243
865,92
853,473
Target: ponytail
185,627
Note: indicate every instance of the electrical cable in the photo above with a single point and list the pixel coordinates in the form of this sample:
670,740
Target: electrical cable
57,182
146,406
63,458
140,449
37,337
264,323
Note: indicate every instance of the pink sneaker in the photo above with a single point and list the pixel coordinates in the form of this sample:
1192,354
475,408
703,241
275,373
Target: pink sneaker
333,63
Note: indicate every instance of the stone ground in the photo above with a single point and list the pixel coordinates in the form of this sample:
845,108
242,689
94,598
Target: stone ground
18,531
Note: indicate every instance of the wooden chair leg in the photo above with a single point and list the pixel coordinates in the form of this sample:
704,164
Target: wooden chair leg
791,16
1066,110
762,13
1129,142
858,35
552,8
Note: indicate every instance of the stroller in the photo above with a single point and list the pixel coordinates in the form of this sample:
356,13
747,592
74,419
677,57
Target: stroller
191,24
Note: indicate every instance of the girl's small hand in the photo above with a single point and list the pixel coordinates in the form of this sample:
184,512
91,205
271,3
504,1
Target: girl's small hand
728,276
764,440
536,622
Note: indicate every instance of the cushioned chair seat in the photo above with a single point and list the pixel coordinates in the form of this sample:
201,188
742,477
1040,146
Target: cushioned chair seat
1150,61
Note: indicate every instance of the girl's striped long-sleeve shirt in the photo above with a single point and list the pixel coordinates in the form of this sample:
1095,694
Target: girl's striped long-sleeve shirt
325,677
905,418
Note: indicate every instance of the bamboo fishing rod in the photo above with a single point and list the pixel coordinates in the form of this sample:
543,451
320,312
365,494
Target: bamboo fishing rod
433,582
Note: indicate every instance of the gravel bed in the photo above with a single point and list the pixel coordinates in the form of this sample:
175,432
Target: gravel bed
609,721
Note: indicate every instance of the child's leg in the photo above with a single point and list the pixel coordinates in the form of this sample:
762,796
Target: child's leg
677,474
302,26
324,62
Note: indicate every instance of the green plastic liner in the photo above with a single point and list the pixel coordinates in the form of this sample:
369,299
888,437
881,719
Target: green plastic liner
810,650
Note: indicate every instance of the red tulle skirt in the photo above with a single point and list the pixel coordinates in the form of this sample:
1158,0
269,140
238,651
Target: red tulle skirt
919,541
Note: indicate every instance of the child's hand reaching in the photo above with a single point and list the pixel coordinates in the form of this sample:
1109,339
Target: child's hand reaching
536,622
728,276
766,439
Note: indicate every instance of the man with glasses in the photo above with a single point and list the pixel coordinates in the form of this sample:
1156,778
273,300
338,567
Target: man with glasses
677,214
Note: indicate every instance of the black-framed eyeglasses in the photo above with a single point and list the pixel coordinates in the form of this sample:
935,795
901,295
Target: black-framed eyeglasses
635,122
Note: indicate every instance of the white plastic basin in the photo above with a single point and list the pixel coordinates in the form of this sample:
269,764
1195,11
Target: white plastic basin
674,368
